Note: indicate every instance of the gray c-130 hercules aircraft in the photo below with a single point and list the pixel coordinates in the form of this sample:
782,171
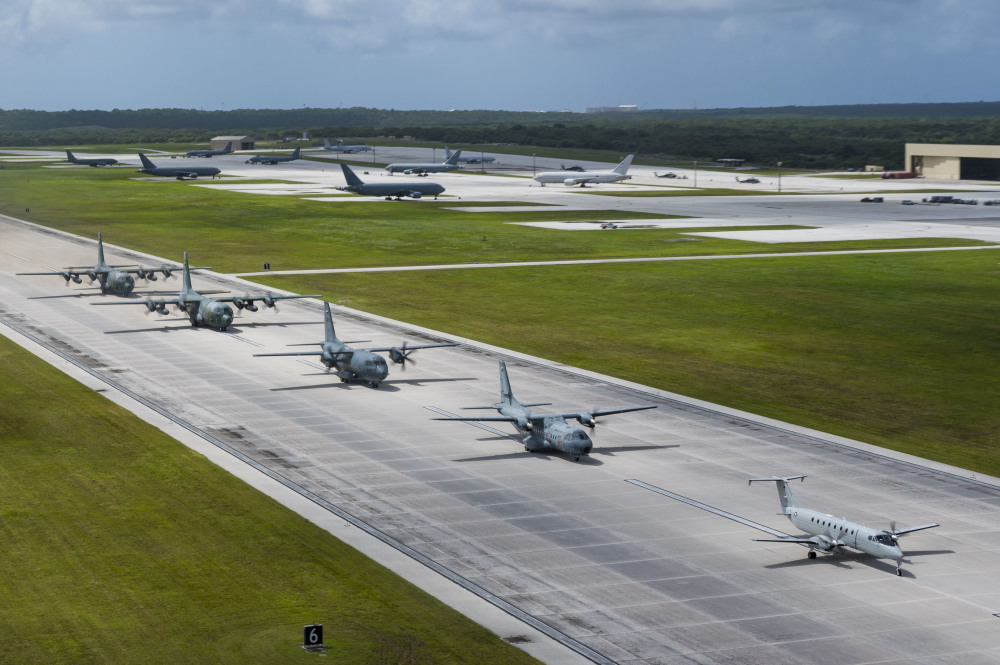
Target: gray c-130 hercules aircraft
202,310
544,430
355,364
112,279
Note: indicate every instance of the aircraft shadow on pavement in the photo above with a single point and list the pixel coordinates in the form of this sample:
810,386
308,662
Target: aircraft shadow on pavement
541,454
850,559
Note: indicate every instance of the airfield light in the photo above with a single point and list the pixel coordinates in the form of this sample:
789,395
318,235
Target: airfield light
779,177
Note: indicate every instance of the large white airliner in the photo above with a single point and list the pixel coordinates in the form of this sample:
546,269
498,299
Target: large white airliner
581,178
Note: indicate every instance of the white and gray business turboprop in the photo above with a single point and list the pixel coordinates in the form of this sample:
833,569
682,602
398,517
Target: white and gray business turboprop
544,430
826,533
350,364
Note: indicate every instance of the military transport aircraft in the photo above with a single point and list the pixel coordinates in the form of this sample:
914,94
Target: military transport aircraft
544,430
355,364
273,159
482,159
202,310
388,189
581,178
112,279
340,146
826,532
211,153
448,165
179,172
96,161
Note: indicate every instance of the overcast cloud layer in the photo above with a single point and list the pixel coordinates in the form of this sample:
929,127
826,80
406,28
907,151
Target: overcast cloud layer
499,54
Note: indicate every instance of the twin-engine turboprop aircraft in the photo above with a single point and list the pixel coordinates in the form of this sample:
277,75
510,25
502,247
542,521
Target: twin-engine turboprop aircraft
544,430
826,532
352,364
112,279
202,310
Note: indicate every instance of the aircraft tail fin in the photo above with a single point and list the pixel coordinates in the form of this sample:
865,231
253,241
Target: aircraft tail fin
447,153
785,496
622,168
506,395
70,157
453,158
349,176
328,331
145,162
186,284
295,153
326,144
229,147
100,250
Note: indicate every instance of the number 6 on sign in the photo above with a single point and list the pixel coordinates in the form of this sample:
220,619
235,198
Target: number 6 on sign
312,635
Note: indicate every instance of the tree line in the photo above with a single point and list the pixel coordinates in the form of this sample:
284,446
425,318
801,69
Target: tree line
799,137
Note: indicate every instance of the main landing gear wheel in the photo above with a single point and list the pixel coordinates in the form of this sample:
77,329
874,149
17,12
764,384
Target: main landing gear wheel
812,555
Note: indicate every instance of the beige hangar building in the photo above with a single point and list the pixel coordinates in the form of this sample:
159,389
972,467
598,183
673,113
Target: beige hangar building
953,162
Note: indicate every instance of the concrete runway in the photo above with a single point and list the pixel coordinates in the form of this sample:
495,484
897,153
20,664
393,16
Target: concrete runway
627,573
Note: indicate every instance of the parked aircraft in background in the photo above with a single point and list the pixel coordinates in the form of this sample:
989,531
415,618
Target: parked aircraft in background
544,430
482,159
826,532
576,168
352,364
211,153
202,310
273,159
95,161
340,146
179,172
581,178
112,279
751,180
448,165
389,190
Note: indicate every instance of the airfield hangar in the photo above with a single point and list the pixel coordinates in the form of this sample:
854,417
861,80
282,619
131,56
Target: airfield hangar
953,162
239,142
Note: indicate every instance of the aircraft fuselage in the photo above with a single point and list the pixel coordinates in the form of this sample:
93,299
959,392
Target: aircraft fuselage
829,530
549,432
355,364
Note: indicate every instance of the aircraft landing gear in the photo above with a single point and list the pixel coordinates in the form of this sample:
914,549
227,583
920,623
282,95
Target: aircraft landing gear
373,384
899,568
812,554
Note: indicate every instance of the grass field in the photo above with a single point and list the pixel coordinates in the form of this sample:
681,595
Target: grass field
97,567
896,350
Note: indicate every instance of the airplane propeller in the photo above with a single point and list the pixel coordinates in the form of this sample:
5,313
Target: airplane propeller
587,419
400,356
892,531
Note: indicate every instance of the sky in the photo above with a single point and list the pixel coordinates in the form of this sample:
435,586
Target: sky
542,55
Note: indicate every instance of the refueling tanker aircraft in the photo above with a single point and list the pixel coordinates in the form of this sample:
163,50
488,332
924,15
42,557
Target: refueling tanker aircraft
544,430
179,172
581,178
352,364
89,161
117,280
202,310
826,533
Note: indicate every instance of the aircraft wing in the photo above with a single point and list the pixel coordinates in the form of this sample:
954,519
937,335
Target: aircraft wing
494,419
789,539
386,349
590,415
267,299
900,532
74,271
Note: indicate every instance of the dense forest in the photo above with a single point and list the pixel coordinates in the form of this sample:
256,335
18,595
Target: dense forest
800,137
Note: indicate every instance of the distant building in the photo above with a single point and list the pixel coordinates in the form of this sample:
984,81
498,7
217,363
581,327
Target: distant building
953,162
731,162
624,108
239,142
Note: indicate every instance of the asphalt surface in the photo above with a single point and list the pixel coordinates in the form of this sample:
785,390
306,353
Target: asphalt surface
607,566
